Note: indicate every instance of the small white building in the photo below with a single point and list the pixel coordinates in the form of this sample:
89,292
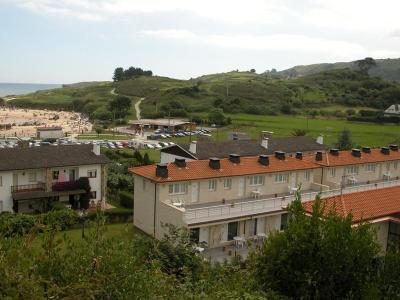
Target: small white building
54,132
31,178
393,110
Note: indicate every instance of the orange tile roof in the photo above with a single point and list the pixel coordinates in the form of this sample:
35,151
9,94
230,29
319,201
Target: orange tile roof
367,205
346,158
199,169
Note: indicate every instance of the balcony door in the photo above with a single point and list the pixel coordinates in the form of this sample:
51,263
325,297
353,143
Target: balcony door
195,192
15,179
242,183
72,174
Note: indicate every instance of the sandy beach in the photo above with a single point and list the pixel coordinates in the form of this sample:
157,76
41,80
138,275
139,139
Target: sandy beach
25,121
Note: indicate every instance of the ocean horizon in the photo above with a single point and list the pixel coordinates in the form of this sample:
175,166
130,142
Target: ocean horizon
9,89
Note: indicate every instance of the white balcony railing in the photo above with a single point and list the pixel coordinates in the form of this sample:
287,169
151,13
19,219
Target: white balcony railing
249,207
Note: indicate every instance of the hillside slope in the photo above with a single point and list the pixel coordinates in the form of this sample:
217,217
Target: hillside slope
388,69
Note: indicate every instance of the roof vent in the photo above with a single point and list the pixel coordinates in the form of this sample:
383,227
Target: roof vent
162,170
356,152
214,163
366,149
263,159
180,162
280,155
385,150
318,156
394,147
234,158
299,155
334,151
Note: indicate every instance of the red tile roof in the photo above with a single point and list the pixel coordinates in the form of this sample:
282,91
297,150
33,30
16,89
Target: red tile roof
199,169
367,205
346,158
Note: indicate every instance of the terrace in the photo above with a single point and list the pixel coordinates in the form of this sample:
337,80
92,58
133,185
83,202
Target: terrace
209,212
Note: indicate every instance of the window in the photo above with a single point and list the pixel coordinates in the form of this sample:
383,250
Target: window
212,185
227,183
194,235
352,170
257,180
177,188
370,167
232,230
55,175
281,177
32,176
307,175
332,172
92,173
93,195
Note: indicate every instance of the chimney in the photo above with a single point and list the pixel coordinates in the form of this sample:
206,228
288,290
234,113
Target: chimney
234,158
162,170
193,147
180,162
96,149
214,163
356,152
280,155
394,147
320,139
366,149
385,150
334,151
264,142
318,156
263,159
299,155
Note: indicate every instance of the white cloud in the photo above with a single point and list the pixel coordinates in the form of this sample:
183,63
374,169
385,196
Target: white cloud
170,34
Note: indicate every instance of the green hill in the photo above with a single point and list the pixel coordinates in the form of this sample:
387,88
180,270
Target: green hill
388,69
329,92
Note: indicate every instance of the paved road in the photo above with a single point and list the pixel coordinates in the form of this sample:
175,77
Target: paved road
137,108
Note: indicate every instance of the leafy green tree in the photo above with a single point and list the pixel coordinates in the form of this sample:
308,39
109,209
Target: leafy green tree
118,74
364,65
98,130
344,141
146,159
120,106
138,157
2,102
317,257
216,116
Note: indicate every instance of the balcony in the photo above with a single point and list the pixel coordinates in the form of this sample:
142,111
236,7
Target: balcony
66,186
37,187
208,212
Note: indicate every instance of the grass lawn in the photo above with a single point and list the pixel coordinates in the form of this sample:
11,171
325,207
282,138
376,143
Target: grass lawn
370,134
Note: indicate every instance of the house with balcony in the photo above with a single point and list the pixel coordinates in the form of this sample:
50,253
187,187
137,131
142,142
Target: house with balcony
31,178
220,199
358,166
224,200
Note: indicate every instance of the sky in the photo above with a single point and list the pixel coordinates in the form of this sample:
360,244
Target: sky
66,41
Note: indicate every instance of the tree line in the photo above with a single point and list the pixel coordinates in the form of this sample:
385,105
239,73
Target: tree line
120,74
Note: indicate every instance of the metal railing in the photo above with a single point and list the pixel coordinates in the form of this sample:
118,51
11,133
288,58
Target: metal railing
244,207
28,187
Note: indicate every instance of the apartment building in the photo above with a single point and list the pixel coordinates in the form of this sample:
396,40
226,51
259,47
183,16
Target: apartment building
30,178
358,166
267,145
220,199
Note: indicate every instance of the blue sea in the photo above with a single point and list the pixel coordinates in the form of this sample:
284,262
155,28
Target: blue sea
8,89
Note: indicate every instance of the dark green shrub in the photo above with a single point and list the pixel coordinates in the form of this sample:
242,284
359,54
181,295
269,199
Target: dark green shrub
126,199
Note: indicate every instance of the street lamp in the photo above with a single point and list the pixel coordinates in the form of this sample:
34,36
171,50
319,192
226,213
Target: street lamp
82,219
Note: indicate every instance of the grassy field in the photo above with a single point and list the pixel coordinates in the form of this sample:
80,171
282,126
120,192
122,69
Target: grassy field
363,133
